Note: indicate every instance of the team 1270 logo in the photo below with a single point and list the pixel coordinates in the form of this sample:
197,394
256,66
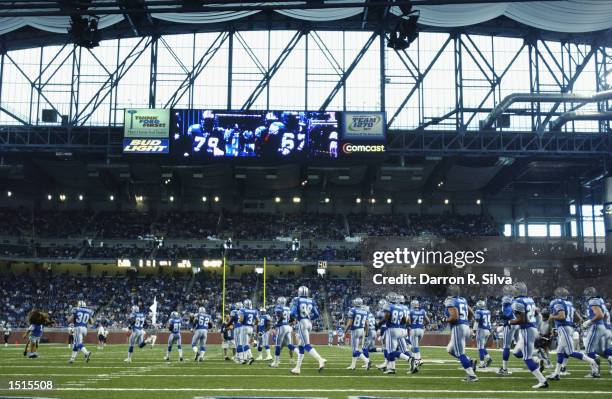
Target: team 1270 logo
145,146
361,123
350,148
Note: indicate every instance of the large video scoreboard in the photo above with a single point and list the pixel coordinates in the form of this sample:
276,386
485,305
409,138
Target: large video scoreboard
207,134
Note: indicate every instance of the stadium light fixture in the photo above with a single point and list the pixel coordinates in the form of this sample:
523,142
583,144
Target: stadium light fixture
216,199
62,197
9,194
389,200
372,200
327,200
259,270
277,199
49,197
111,197
358,200
478,201
297,200
419,201
80,197
204,199
171,198
445,201
139,198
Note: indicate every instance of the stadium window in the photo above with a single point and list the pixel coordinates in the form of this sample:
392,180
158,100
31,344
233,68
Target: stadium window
554,230
572,209
537,230
521,230
507,230
574,228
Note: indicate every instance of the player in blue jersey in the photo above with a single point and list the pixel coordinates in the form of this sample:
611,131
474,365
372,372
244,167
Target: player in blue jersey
304,310
482,326
381,329
417,318
137,321
564,315
249,319
282,320
525,312
395,321
509,331
340,334
81,317
38,320
174,326
263,334
200,323
369,345
234,319
458,315
594,325
357,324
330,337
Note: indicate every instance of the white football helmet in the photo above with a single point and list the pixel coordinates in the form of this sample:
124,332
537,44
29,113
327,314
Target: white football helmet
239,305
303,292
481,304
281,300
358,302
174,315
521,288
81,303
382,303
135,309
590,292
248,304
414,304
201,309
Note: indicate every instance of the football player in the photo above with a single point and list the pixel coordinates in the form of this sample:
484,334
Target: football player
201,322
249,319
357,324
458,314
418,319
381,326
282,318
101,340
234,319
81,317
563,314
70,335
7,333
228,340
369,345
174,326
482,326
395,319
509,331
137,321
304,310
607,340
594,325
404,339
525,318
263,334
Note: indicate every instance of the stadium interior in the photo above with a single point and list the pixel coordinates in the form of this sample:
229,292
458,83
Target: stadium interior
496,126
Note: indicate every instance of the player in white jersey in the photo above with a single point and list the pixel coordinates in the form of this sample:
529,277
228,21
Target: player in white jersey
101,336
458,315
525,317
594,325
81,317
200,323
509,331
482,326
607,340
417,318
357,324
70,335
563,314
174,326
303,310
136,325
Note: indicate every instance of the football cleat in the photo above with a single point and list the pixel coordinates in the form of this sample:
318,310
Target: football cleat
488,362
470,378
503,371
260,358
251,361
180,359
274,365
382,366
70,361
369,365
350,368
87,357
268,358
197,355
592,375
553,377
295,371
322,364
127,360
389,371
541,385
474,363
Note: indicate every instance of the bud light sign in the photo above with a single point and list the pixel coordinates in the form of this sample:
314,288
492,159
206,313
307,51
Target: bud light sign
145,146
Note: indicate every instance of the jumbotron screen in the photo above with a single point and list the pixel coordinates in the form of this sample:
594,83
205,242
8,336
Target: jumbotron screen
216,134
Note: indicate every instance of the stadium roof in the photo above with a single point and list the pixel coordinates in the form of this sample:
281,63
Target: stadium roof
32,23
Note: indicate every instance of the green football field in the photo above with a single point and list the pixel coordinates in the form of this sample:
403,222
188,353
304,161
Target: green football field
107,376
